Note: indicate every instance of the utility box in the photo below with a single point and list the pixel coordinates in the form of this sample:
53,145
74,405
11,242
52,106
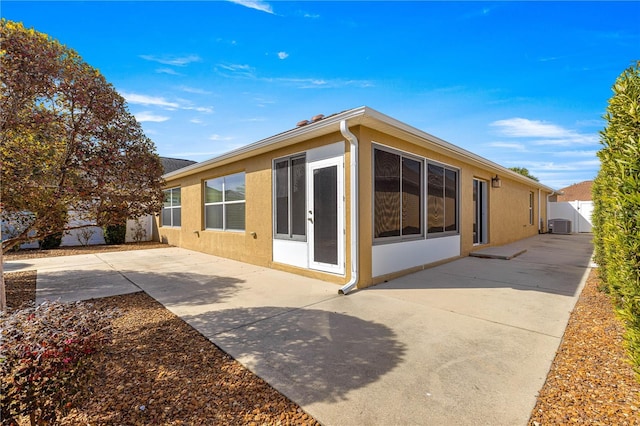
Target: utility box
559,226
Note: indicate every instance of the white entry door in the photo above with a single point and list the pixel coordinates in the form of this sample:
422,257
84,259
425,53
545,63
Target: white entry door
325,215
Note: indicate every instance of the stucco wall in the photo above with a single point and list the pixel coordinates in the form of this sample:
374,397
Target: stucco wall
240,246
508,206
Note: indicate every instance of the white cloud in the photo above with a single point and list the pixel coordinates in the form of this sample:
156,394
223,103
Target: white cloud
543,166
575,154
319,83
255,4
149,116
169,71
247,71
522,127
196,121
283,55
508,145
236,70
216,137
206,110
195,90
178,61
157,101
542,133
134,98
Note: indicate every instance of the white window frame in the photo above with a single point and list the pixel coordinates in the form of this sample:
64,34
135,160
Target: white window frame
424,214
172,208
426,201
290,235
224,203
401,155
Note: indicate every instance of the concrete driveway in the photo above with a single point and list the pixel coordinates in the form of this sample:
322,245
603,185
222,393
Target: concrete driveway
466,343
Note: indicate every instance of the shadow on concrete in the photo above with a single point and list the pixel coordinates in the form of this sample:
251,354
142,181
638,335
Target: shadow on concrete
17,266
310,355
554,264
187,288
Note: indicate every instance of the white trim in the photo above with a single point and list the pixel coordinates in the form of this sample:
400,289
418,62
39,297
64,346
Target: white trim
291,252
337,162
395,257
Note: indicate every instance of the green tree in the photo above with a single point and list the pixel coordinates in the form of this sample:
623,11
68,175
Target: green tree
524,172
67,142
616,196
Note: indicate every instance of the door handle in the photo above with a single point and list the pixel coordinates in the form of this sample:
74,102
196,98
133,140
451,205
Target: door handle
310,219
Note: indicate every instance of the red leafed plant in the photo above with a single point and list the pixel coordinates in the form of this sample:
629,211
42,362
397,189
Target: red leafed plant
42,352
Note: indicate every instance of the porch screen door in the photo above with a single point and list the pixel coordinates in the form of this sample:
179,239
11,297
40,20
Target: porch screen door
325,216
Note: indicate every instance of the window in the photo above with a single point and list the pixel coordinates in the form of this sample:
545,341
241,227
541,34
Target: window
397,195
531,208
290,197
171,210
224,203
442,199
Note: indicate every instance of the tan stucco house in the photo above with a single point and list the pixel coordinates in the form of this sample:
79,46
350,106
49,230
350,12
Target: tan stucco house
354,198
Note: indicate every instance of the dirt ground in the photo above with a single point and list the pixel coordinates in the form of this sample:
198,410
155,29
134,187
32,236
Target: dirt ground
159,370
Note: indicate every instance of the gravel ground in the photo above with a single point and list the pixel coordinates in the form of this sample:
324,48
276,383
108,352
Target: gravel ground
159,370
591,380
69,251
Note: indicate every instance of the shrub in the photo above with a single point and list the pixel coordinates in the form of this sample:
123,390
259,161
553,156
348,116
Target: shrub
139,233
84,236
43,350
616,196
53,229
51,241
115,234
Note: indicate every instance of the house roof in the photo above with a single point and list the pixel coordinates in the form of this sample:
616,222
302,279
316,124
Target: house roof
576,192
363,116
172,164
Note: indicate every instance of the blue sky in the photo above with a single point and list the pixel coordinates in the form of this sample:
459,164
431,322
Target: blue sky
521,83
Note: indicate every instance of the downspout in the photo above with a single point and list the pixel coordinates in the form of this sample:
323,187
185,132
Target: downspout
355,225
539,211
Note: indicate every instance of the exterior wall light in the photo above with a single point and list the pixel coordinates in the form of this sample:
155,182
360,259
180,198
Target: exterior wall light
496,182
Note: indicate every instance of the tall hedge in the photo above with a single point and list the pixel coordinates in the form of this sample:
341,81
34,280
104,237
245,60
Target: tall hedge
616,196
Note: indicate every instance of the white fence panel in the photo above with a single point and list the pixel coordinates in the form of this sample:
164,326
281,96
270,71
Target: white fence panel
137,230
578,212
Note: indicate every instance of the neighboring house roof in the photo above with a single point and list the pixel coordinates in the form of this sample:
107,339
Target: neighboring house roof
364,116
172,164
576,192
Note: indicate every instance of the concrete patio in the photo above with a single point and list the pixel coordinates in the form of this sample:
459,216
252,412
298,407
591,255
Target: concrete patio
468,342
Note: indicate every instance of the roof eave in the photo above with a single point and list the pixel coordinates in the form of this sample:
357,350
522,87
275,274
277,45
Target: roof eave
290,137
358,116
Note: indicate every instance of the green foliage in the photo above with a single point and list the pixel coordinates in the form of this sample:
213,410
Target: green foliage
524,172
67,140
115,234
43,352
616,196
51,241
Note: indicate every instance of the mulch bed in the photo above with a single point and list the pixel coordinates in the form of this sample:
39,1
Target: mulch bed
159,370
68,251
591,380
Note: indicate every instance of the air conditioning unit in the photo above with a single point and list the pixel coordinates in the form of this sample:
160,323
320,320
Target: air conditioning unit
559,226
